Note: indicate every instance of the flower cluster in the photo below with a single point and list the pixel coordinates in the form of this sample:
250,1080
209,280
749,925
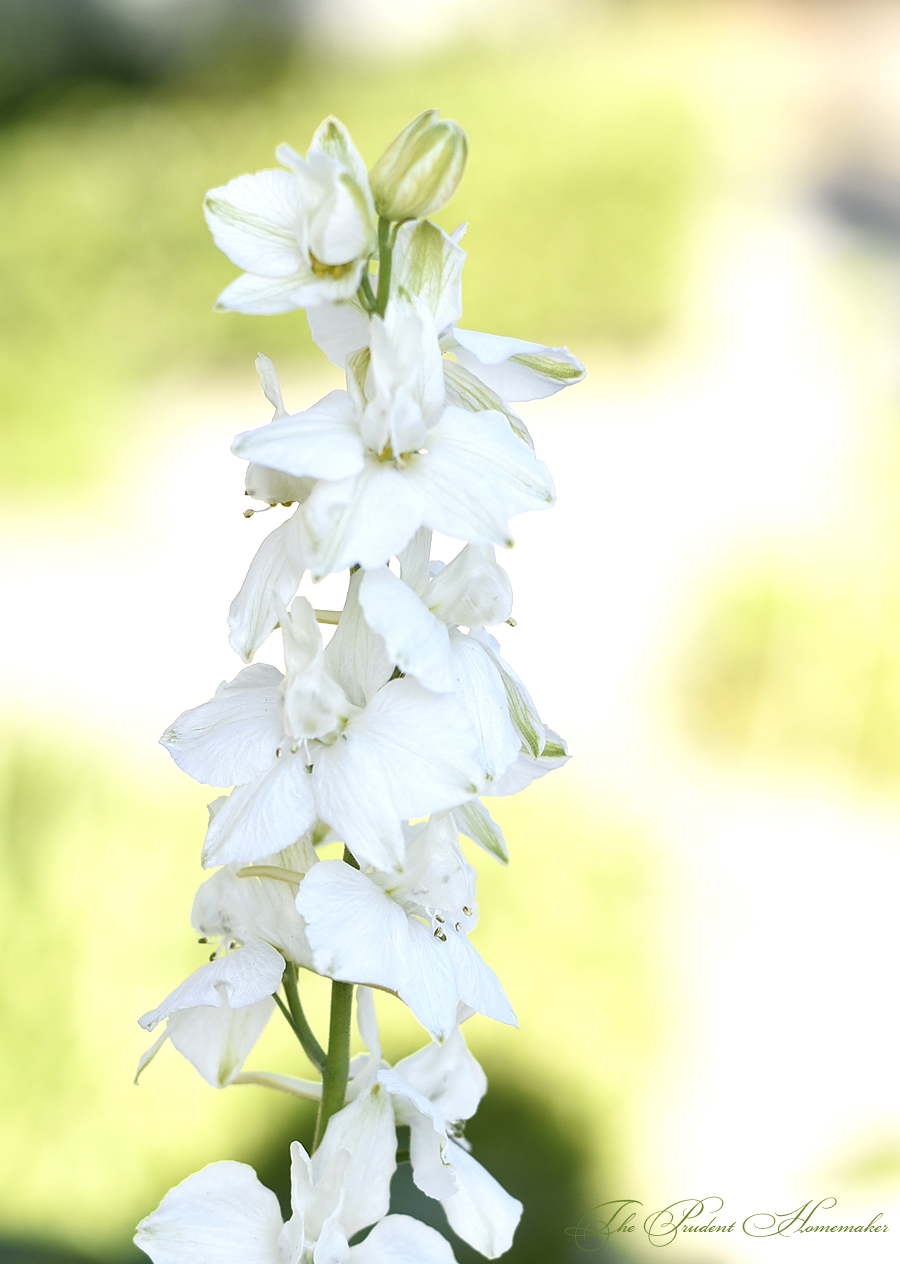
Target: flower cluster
387,738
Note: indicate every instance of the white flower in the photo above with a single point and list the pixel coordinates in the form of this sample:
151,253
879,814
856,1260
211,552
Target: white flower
408,934
302,235
217,1015
223,1215
298,749
392,457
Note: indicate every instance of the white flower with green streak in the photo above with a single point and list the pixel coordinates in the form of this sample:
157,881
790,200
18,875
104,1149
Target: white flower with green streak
302,235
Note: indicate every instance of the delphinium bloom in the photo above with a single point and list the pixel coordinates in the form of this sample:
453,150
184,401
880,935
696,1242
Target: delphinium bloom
382,740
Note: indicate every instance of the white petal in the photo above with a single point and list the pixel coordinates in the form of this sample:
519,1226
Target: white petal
356,656
400,1240
481,1212
367,1131
476,982
357,933
428,1136
429,264
476,475
522,711
222,1215
472,590
332,138
271,582
429,988
262,295
526,768
364,520
322,442
517,370
339,329
409,753
465,390
480,692
232,738
240,978
417,642
448,1075
217,1041
415,560
475,821
265,815
254,221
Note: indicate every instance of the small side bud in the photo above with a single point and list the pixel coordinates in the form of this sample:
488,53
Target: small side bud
420,170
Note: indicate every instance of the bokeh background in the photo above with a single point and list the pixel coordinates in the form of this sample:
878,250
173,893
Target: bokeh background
697,929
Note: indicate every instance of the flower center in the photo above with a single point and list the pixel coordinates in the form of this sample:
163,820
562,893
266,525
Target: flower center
334,270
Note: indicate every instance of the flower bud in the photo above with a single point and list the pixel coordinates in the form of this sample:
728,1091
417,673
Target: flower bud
420,170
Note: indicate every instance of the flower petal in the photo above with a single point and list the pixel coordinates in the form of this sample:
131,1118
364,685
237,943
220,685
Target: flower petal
231,738
271,582
479,691
240,978
481,1211
417,642
366,520
517,370
217,1041
266,815
366,1130
254,220
429,264
409,753
448,1075
399,1240
476,474
321,442
222,1215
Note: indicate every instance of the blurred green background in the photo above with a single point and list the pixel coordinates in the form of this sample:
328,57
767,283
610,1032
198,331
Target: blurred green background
618,152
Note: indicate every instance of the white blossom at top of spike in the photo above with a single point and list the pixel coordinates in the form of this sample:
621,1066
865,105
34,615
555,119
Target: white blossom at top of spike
393,456
302,235
223,1215
301,747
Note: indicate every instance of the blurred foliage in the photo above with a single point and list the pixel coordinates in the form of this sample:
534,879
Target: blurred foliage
800,663
582,169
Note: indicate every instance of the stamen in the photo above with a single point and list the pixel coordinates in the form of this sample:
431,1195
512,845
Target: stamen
203,940
458,926
511,622
439,934
467,910
248,513
439,918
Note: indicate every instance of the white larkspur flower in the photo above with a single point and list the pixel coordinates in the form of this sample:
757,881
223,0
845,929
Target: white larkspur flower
408,934
217,1015
297,749
223,1215
302,235
394,456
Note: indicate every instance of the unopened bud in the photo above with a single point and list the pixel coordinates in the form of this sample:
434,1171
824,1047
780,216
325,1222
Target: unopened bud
420,170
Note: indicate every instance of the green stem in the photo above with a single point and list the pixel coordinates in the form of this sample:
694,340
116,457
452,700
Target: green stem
302,1029
384,265
337,1065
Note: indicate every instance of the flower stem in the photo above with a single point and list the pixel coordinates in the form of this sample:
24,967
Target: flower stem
337,1065
384,265
302,1029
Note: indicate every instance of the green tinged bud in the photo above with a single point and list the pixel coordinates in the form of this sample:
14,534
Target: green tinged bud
420,170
